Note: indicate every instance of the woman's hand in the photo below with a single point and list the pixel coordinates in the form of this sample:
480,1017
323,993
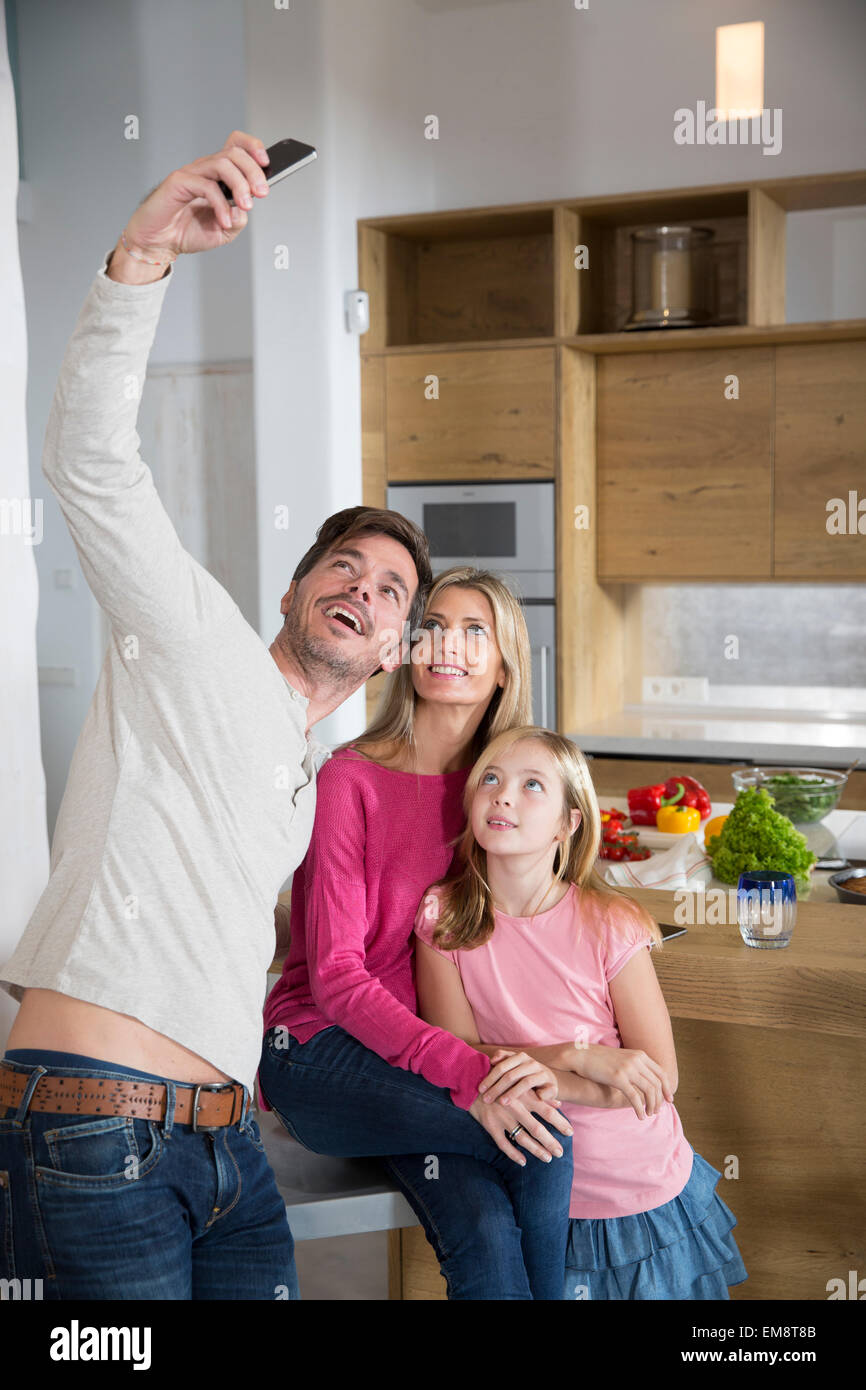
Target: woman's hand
188,211
499,1121
644,1083
512,1074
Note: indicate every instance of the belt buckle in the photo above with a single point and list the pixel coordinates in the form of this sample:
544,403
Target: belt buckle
208,1086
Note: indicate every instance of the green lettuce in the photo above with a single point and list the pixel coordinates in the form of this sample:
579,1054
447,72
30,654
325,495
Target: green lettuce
756,836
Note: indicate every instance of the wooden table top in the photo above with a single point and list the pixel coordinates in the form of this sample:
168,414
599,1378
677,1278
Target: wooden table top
817,982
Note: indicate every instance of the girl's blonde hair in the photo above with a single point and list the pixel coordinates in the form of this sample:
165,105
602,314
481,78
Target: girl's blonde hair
466,917
394,721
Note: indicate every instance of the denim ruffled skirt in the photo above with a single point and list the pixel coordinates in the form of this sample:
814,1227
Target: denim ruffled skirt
681,1250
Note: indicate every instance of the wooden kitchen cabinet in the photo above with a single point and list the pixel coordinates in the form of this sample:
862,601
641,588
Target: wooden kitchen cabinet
820,455
684,473
519,311
495,416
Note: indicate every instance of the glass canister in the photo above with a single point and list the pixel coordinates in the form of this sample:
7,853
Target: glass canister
672,283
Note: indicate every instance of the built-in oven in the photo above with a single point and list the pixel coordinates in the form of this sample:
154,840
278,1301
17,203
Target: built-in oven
506,527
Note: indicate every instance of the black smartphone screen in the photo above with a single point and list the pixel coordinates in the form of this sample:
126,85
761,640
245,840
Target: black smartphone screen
284,156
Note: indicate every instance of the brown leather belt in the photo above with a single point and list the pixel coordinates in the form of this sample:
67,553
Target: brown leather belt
211,1105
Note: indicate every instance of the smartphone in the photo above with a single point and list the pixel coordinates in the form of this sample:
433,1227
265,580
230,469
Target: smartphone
285,157
669,930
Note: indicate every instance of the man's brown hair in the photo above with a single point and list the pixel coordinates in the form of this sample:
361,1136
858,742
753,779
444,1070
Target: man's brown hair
354,522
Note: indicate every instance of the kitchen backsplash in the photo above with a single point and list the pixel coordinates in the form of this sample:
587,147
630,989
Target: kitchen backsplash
786,634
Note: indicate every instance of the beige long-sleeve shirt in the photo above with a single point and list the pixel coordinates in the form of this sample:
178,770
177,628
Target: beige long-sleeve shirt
191,792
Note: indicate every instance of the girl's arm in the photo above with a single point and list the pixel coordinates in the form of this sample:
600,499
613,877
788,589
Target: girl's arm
642,1015
644,1070
442,1002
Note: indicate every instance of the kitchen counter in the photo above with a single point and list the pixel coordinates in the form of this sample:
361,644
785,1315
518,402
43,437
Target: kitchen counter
771,1052
816,983
841,833
612,778
756,738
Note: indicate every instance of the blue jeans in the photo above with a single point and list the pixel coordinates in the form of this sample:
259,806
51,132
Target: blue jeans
118,1207
499,1230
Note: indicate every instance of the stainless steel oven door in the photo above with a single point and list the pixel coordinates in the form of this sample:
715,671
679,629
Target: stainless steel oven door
507,527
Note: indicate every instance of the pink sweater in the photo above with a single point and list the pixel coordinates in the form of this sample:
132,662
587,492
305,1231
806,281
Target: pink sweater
380,838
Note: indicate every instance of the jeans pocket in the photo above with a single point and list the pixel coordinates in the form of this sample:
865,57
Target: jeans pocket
100,1154
254,1135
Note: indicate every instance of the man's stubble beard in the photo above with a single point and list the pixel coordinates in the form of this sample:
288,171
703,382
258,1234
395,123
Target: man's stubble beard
322,661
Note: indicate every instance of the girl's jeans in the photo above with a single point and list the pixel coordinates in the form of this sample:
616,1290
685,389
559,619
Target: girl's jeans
100,1207
499,1230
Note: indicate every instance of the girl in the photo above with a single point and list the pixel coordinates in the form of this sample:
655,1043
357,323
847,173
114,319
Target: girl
525,941
347,1065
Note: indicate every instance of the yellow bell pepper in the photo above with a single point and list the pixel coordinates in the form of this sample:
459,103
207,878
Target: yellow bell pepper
678,820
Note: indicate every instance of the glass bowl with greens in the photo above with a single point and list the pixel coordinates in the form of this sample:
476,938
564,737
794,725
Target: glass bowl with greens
803,794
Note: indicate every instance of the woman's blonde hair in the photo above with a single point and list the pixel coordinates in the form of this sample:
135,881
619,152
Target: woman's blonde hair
466,917
394,721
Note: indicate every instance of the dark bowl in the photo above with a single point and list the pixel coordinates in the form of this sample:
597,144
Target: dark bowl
845,895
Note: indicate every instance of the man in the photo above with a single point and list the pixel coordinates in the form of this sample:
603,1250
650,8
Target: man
134,1167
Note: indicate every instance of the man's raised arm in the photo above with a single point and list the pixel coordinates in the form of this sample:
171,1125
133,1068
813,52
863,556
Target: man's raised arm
129,550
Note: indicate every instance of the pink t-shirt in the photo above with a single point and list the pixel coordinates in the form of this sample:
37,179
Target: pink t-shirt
545,980
379,838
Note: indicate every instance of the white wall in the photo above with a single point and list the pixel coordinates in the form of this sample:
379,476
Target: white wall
23,833
535,100
178,66
346,80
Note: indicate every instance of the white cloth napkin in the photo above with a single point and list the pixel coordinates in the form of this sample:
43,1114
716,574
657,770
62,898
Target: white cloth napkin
685,865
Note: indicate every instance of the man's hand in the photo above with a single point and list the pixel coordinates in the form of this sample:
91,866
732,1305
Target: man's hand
188,212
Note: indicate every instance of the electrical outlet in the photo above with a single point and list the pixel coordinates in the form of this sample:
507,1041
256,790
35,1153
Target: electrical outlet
675,690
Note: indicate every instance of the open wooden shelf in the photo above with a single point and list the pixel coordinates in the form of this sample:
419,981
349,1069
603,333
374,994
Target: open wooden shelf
482,280
602,302
506,275
735,335
662,339
415,349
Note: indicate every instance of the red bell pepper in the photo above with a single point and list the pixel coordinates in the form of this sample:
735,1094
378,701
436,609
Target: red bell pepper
687,791
644,803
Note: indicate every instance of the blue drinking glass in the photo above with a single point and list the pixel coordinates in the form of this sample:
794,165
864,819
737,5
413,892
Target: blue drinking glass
766,908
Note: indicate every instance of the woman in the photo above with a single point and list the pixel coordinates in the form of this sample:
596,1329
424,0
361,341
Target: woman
347,1065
